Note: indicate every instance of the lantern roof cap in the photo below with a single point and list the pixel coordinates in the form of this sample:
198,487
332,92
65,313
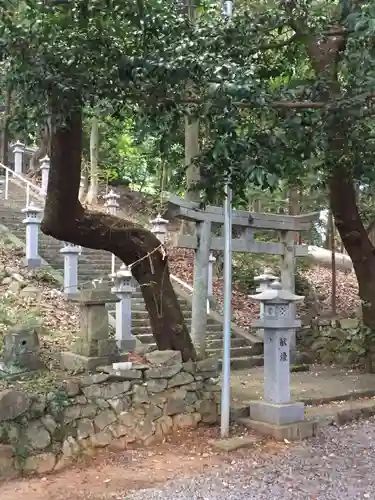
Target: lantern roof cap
276,293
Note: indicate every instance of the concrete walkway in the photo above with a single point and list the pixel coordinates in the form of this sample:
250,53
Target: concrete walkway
313,387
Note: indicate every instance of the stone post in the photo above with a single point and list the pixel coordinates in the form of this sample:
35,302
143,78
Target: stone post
200,288
279,323
112,206
159,228
288,269
32,222
71,253
210,288
44,168
123,289
18,151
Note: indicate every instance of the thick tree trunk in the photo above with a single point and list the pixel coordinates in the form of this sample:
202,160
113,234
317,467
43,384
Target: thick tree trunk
65,219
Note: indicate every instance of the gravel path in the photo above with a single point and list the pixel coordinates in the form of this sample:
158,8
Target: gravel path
337,465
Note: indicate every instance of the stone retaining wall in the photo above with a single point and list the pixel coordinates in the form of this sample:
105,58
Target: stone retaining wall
331,341
45,433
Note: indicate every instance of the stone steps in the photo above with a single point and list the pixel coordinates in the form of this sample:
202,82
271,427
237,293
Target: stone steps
94,264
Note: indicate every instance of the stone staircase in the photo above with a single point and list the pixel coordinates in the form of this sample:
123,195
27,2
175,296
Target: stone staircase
246,350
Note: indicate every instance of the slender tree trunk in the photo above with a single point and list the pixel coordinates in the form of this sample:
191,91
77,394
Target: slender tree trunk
92,194
192,127
65,219
44,148
293,206
331,226
4,141
325,55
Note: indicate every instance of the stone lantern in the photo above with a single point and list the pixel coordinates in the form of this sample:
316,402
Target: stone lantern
123,289
159,228
44,168
279,323
32,221
112,206
111,202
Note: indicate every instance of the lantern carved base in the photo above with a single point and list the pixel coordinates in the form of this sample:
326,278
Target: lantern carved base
292,432
277,414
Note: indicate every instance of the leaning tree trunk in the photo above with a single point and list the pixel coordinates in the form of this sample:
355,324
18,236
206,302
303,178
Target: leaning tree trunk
65,219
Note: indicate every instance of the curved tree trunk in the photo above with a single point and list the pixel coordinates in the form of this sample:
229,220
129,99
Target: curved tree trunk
65,219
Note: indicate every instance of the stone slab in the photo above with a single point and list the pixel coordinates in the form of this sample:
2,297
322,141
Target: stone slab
278,414
32,263
292,432
235,443
76,362
127,345
316,387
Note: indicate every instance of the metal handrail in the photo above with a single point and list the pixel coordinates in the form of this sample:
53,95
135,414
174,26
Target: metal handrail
187,287
31,186
28,184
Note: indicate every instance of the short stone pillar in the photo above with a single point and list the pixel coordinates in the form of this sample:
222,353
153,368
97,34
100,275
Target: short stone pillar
210,288
123,289
32,222
71,253
111,202
44,168
278,323
93,347
159,228
18,151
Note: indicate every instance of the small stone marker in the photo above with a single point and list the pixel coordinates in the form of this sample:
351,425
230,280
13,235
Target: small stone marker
235,443
93,347
278,324
21,350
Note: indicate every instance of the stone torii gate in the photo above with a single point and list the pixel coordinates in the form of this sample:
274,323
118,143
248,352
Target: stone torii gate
203,242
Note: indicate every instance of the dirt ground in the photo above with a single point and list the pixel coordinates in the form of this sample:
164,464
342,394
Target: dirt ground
112,475
320,384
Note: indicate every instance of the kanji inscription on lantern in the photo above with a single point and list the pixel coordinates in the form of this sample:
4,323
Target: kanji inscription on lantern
283,356
283,342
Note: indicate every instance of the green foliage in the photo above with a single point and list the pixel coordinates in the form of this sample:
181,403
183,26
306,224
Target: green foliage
135,59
